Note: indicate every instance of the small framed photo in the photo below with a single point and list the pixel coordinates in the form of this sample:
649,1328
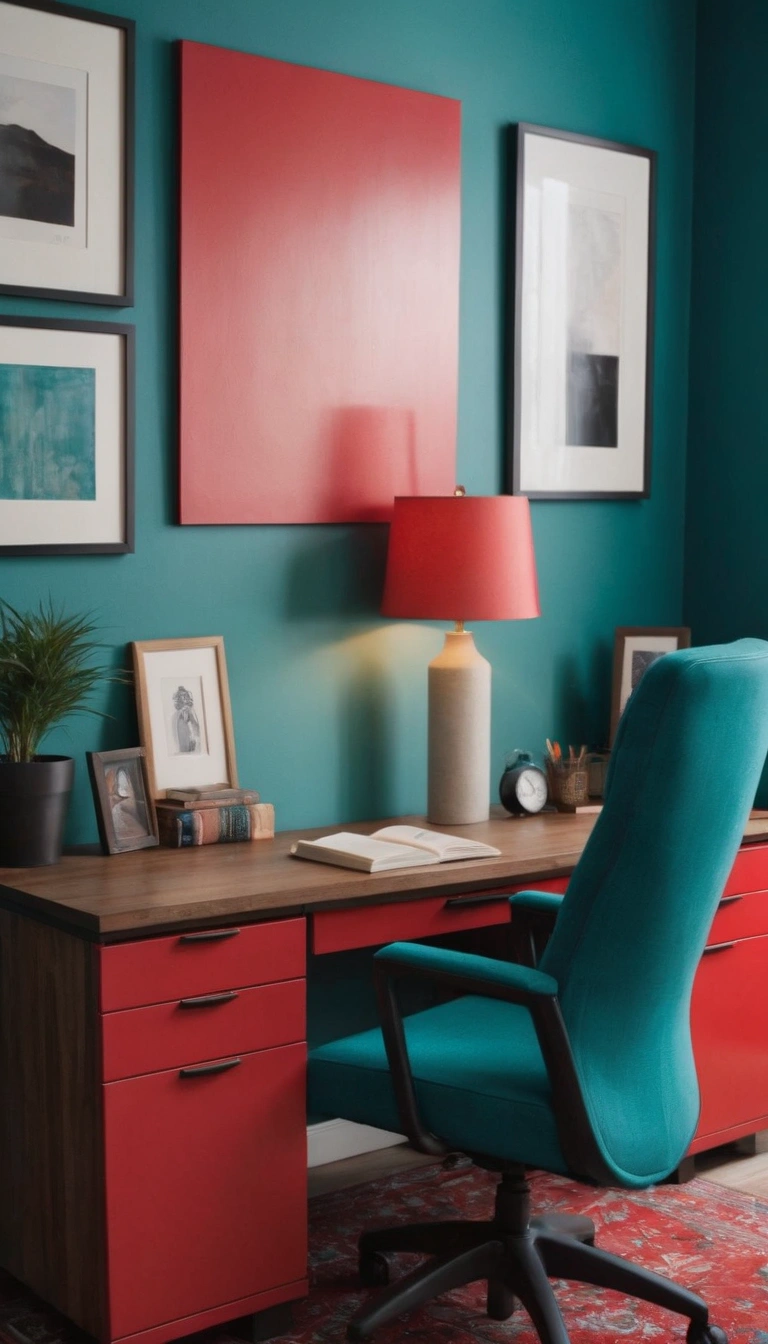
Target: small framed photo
185,715
66,436
635,648
124,809
66,153
580,326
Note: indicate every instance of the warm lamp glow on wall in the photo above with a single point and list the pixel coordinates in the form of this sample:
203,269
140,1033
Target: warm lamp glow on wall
460,558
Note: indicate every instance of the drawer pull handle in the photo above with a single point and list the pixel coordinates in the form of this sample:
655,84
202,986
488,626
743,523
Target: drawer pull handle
729,900
208,935
718,947
209,1000
467,902
200,1070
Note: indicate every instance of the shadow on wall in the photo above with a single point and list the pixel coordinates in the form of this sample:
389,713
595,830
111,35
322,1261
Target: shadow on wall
337,572
584,700
370,456
336,578
365,734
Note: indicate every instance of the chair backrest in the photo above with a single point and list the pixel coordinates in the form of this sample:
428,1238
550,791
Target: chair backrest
685,766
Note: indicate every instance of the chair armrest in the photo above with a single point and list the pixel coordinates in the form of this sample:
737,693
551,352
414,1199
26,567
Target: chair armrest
534,914
544,902
467,973
461,973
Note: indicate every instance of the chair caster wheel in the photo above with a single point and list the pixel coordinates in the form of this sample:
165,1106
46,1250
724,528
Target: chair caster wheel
705,1334
452,1160
374,1270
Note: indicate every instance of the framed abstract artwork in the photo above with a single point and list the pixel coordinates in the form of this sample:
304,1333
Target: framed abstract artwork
66,152
185,714
319,288
125,813
66,437
635,648
580,319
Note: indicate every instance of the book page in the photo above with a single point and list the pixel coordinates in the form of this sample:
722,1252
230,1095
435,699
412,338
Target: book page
435,842
367,847
444,847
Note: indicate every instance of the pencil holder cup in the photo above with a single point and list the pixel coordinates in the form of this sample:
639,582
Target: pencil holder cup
568,783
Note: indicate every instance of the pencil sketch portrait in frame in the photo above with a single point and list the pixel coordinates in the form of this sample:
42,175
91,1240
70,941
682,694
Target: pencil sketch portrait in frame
185,716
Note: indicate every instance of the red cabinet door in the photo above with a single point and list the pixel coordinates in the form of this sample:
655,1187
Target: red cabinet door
206,1186
729,1022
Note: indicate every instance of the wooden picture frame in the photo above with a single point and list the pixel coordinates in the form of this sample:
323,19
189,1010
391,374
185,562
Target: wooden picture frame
635,647
125,812
580,313
66,493
185,713
67,222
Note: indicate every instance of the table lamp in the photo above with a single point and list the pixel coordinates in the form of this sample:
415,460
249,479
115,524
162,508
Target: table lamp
460,558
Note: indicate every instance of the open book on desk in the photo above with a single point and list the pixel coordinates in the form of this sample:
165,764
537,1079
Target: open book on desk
391,847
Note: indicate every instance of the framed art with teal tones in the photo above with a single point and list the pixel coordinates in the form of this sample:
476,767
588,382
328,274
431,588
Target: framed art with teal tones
66,437
66,152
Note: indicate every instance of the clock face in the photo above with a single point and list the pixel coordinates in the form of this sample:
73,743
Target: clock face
531,790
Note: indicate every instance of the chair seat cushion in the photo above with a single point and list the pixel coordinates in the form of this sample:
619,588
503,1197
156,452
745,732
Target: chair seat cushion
480,1081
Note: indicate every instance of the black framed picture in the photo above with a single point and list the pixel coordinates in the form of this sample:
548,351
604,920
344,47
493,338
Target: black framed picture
125,813
66,152
635,648
66,437
580,316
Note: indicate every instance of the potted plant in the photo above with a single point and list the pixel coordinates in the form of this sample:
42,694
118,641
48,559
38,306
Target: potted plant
46,673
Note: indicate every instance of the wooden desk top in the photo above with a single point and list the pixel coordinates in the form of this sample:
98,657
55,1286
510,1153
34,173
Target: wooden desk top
155,890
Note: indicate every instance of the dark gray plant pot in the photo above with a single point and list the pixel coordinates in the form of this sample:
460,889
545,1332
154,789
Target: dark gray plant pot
34,798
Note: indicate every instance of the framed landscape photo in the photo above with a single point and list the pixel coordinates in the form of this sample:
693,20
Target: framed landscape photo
580,320
66,152
634,649
66,437
185,715
125,812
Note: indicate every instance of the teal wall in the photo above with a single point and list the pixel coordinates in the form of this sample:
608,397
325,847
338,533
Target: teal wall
727,539
329,701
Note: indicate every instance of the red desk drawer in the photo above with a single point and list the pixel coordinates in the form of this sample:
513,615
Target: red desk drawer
145,1040
206,1187
367,926
155,970
740,916
729,1024
749,872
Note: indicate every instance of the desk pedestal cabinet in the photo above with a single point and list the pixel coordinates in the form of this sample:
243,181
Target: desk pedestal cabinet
729,1010
152,1126
152,1134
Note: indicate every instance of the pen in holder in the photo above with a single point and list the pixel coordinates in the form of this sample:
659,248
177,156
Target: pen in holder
568,777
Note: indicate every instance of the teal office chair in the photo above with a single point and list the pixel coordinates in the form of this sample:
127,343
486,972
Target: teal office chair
583,1065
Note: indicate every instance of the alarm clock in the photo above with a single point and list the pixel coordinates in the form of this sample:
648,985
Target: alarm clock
523,786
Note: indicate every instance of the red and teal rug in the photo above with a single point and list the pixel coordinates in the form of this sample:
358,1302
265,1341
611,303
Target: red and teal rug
713,1240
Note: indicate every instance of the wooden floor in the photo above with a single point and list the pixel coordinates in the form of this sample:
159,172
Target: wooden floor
726,1166
729,1167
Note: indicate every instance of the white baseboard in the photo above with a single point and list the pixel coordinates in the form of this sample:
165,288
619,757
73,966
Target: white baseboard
331,1140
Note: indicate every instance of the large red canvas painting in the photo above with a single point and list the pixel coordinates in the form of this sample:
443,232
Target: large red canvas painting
319,292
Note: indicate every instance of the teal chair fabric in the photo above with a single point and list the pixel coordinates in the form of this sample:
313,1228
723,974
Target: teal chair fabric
628,938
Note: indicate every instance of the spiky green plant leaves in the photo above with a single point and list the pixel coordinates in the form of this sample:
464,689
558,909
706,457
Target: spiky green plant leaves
46,672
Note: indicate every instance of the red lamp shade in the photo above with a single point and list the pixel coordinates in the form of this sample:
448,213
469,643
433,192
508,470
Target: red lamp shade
461,558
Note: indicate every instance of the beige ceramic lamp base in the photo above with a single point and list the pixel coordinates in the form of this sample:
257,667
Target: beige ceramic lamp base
459,733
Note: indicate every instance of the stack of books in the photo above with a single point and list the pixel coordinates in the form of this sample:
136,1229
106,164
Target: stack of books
215,816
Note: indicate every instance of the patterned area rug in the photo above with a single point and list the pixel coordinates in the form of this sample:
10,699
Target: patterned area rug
713,1240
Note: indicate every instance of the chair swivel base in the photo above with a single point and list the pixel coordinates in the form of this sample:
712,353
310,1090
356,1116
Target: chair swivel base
516,1255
